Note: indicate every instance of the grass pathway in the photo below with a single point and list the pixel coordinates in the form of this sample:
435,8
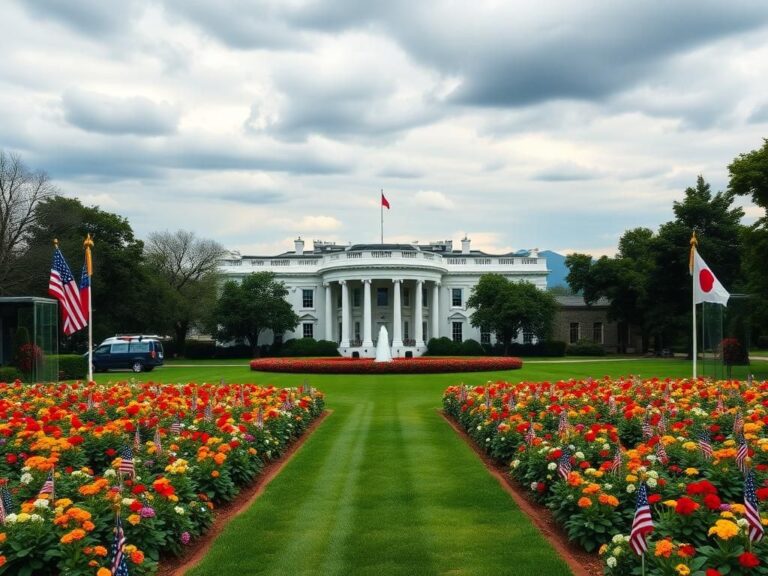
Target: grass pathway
386,487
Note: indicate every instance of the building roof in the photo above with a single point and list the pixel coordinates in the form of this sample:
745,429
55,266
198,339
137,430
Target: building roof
578,301
24,299
401,247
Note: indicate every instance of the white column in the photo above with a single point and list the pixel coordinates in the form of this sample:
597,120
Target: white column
344,314
328,312
367,340
397,320
435,310
418,328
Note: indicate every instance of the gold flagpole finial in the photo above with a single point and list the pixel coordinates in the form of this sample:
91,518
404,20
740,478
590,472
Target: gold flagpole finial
694,243
55,242
88,244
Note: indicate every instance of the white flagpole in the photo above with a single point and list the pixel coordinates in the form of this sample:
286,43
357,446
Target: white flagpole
693,300
88,243
381,207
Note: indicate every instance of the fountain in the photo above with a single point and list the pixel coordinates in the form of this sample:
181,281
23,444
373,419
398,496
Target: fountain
383,351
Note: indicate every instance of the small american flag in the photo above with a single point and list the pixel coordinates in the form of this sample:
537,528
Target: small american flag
642,523
119,564
137,439
47,486
611,405
647,428
756,530
705,444
487,399
564,464
562,424
530,434
661,453
738,423
62,286
616,464
2,511
719,407
741,456
158,443
662,425
463,393
208,413
242,395
7,500
260,418
126,462
194,400
176,426
89,404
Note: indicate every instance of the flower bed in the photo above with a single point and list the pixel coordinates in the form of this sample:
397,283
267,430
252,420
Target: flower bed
197,445
661,429
420,365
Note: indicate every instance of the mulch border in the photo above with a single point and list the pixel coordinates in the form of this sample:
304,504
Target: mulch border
195,552
580,562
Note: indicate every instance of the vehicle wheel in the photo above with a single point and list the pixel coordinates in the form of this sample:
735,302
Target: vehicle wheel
137,366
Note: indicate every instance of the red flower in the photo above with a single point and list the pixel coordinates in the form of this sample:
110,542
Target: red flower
654,498
687,551
685,506
712,501
762,493
11,458
749,560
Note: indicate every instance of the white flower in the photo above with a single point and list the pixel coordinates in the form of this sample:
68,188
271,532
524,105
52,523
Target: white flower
127,501
630,488
35,518
11,519
651,482
487,439
533,486
179,510
41,504
607,487
571,447
515,463
569,497
110,473
618,551
579,455
611,562
651,457
617,539
743,522
552,466
653,474
479,427
25,469
606,446
26,478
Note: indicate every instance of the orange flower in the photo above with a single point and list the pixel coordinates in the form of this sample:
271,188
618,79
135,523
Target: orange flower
664,548
104,572
137,557
220,458
215,474
591,488
608,500
2,560
76,534
584,502
134,519
100,551
2,537
88,526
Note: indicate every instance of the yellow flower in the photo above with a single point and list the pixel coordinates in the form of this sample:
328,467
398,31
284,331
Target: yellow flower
738,508
670,503
726,514
134,519
631,478
725,529
690,446
682,569
691,471
603,549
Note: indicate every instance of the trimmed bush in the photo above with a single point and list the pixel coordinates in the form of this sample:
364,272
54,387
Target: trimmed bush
585,348
544,348
442,347
470,348
72,366
9,374
199,349
309,347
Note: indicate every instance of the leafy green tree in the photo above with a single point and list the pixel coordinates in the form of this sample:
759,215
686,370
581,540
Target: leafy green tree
506,308
749,175
245,310
187,266
125,296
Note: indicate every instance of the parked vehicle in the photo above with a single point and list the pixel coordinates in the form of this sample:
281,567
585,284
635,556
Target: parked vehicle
138,352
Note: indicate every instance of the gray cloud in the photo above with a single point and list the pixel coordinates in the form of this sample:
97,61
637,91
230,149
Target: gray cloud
254,197
566,172
90,17
759,115
109,115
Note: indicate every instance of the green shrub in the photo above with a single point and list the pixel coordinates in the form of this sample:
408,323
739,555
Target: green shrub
471,348
9,374
442,347
72,366
309,347
586,348
200,349
543,348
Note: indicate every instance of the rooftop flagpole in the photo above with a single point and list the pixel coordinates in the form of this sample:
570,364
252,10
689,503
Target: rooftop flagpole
381,208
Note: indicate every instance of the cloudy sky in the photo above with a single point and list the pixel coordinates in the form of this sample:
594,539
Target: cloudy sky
554,124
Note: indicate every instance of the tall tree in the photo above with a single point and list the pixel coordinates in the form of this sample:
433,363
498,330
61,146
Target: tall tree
507,308
245,310
188,265
749,175
21,191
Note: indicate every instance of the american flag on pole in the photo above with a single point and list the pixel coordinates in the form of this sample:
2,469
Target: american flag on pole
616,463
119,564
564,464
158,443
611,405
3,513
662,425
47,486
562,424
530,434
7,500
705,444
738,423
741,455
647,428
62,286
260,418
208,413
176,426
719,407
661,453
642,523
126,462
756,530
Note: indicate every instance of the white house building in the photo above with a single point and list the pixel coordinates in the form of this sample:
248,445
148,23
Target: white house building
346,293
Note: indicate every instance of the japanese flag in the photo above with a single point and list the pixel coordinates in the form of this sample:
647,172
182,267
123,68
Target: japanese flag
706,288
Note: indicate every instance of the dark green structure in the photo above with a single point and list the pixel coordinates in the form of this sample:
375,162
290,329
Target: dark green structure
40,316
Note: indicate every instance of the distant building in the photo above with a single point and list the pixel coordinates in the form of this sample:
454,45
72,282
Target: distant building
576,321
346,293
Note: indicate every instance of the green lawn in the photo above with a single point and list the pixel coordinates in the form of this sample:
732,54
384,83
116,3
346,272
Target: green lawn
385,486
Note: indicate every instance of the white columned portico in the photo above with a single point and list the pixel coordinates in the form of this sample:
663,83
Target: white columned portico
344,314
367,340
328,312
435,310
418,320
397,321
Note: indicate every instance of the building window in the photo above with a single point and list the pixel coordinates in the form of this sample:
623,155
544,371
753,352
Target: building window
357,330
424,297
382,296
356,297
456,331
406,331
407,297
575,332
308,298
597,332
339,339
424,331
456,297
338,299
527,337
485,336
308,330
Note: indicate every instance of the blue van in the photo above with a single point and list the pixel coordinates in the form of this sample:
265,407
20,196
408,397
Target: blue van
139,353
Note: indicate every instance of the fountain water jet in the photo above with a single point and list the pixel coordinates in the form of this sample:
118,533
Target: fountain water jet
383,351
